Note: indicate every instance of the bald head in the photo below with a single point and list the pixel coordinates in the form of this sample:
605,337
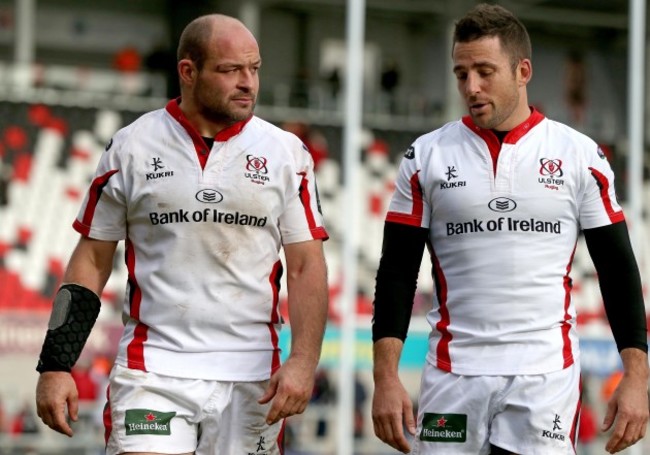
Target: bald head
202,31
218,64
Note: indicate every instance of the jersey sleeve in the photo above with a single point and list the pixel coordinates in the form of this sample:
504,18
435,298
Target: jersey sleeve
302,219
408,204
102,214
599,206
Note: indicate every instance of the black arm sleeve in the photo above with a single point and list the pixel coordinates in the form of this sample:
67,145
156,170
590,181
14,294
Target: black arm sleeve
396,279
620,284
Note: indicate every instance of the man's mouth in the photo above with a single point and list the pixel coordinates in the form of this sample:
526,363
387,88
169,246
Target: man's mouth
477,107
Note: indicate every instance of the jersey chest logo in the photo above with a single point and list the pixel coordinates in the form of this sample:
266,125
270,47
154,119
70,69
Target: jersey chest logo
452,179
256,169
551,173
158,169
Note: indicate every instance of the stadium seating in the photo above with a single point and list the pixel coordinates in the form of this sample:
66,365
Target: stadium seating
49,154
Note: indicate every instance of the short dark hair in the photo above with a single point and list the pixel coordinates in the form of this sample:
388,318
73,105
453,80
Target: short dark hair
485,20
193,41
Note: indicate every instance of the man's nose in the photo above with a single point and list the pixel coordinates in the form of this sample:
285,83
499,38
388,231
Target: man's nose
472,84
246,80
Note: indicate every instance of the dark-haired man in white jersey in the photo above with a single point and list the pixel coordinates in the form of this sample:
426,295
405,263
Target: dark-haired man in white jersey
500,197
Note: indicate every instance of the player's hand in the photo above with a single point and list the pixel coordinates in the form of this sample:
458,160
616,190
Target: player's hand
627,411
290,388
56,395
391,411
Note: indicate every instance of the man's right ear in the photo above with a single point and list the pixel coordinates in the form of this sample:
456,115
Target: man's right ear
187,71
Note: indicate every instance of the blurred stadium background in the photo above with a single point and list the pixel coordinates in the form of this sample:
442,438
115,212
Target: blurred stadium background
73,72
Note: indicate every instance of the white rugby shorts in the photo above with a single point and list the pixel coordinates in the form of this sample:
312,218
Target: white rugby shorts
527,414
147,412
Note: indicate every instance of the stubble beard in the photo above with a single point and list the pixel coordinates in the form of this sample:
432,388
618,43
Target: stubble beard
488,122
224,114
217,104
498,115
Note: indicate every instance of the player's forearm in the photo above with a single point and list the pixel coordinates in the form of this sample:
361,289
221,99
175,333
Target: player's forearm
91,264
76,305
635,364
386,354
308,300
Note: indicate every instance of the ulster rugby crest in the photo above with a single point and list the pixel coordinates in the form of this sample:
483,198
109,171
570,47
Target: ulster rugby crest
256,170
550,171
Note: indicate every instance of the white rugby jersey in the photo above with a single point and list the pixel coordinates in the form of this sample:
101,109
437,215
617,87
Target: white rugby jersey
502,237
202,242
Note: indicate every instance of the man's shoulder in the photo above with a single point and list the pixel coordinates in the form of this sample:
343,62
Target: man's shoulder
265,127
573,143
450,132
146,125
273,134
151,121
563,131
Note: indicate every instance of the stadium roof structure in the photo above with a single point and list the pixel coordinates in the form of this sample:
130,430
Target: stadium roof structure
574,13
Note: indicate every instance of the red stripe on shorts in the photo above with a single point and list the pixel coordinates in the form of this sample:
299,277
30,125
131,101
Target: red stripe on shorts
108,423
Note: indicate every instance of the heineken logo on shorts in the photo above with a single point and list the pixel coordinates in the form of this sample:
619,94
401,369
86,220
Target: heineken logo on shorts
444,427
148,421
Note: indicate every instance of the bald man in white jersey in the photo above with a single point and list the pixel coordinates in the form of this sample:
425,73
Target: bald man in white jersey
499,197
205,195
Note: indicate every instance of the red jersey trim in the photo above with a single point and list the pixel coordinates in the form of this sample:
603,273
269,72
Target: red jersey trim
231,131
274,280
202,149
415,217
320,233
135,349
317,232
442,349
566,326
106,416
491,140
94,193
280,439
603,184
395,217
